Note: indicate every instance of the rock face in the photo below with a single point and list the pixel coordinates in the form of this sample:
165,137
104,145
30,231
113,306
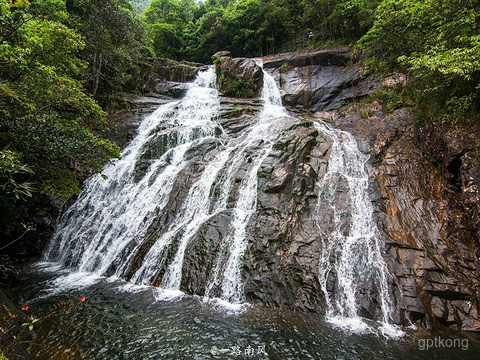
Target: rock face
427,202
168,70
282,259
319,80
424,186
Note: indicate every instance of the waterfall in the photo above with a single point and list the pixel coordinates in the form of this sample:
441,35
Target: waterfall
270,122
350,250
113,229
116,208
105,229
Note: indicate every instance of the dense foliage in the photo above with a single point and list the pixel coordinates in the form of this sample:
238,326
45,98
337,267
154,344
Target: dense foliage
114,43
185,29
437,43
50,126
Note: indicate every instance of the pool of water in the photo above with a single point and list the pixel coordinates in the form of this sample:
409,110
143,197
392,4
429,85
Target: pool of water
87,317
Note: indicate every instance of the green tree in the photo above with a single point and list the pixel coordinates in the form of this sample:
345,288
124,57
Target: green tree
399,29
140,5
50,127
114,44
210,34
170,24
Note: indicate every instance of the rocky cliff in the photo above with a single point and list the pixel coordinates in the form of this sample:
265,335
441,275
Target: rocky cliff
426,179
424,184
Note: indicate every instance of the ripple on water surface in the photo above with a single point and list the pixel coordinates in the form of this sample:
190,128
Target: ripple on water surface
120,321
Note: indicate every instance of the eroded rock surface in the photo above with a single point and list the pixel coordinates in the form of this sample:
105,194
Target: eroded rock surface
424,183
238,77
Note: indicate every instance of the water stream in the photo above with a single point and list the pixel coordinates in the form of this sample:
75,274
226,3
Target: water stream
129,323
351,245
105,228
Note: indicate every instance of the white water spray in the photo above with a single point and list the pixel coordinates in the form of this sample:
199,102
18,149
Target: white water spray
272,120
116,209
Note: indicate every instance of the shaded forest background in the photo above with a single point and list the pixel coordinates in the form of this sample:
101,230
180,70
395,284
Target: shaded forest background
64,62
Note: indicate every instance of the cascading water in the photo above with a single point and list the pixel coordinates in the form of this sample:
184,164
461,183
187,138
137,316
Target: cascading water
264,132
116,208
350,251
105,228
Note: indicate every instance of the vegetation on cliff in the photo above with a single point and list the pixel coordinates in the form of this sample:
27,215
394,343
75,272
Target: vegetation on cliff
189,30
437,44
51,126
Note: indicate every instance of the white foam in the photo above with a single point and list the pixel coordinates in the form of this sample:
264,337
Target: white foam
391,331
359,326
226,305
133,288
73,281
168,294
350,325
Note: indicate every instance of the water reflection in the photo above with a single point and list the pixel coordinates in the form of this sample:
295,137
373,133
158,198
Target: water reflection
123,322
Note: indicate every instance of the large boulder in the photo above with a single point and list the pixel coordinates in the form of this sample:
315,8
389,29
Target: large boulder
238,77
281,262
171,72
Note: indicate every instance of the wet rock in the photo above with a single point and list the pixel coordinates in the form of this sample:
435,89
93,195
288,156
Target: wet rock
203,252
13,337
424,184
320,79
162,70
281,267
123,123
170,88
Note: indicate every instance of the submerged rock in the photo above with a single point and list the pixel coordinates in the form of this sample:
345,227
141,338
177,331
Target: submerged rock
14,340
